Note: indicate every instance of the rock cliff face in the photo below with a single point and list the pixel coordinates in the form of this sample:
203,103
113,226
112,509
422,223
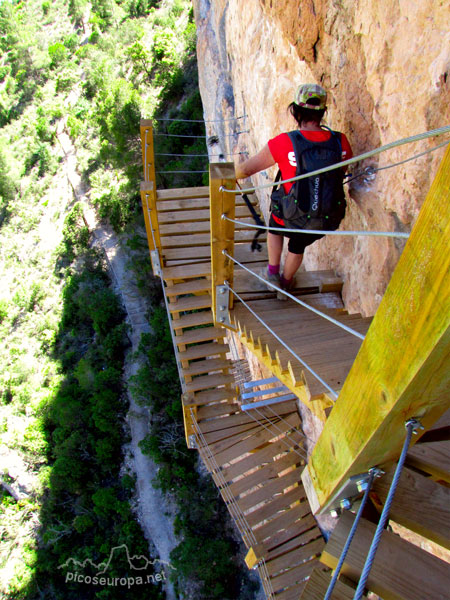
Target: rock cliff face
386,66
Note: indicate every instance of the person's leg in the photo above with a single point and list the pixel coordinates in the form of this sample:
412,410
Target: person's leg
291,265
274,249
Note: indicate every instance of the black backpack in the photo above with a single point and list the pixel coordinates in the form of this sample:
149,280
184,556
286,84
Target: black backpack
316,202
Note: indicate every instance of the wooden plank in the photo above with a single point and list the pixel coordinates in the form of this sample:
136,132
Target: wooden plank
190,303
191,253
147,148
193,227
229,433
203,350
186,240
211,412
432,458
295,557
274,505
194,286
221,175
317,587
194,319
187,271
199,335
207,366
250,462
186,204
401,370
399,569
263,474
419,504
281,521
297,575
214,396
293,531
284,408
183,193
208,382
304,538
274,486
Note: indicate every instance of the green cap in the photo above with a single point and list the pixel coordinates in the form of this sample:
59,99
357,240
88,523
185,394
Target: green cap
306,92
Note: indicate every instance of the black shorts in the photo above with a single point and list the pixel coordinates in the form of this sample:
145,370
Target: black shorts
297,241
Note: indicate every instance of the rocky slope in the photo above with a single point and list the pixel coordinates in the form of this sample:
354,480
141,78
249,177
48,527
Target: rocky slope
387,68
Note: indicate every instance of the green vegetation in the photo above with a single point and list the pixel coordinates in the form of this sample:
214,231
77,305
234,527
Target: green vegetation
83,73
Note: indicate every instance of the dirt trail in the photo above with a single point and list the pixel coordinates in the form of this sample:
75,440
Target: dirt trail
152,506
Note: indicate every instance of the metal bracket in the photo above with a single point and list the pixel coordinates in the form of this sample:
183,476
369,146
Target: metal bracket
156,265
192,442
350,490
223,305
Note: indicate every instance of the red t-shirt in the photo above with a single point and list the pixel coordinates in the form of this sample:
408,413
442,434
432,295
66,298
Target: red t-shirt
283,153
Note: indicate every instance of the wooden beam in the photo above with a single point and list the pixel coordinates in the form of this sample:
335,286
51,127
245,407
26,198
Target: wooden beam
148,152
221,175
150,215
402,368
400,571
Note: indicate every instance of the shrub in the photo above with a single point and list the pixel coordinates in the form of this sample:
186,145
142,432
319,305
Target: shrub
46,7
58,54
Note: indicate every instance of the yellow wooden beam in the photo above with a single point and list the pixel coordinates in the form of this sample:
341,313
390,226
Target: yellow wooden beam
402,368
221,175
148,199
189,410
148,153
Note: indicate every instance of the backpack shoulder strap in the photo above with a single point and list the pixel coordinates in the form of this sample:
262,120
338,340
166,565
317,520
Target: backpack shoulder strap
300,143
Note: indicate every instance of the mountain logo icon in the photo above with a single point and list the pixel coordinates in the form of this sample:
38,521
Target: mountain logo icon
136,562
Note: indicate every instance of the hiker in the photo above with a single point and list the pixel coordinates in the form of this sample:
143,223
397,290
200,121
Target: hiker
308,110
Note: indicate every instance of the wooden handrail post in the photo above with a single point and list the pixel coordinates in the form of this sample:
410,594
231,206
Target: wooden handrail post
148,199
221,175
402,368
148,151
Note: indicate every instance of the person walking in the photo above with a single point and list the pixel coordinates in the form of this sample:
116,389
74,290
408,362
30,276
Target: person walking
308,109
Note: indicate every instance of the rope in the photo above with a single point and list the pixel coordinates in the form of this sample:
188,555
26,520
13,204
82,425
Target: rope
201,120
411,426
395,234
350,536
294,354
311,308
402,162
350,161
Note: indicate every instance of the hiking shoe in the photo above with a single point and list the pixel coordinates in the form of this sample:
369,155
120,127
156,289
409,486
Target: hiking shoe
270,278
288,287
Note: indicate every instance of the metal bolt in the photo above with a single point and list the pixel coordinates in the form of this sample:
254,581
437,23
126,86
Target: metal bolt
222,308
223,290
222,320
416,425
361,486
346,504
334,513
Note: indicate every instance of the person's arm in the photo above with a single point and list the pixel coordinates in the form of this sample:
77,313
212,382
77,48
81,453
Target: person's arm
259,162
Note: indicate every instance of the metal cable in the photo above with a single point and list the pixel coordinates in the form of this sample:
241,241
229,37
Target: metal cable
350,536
395,234
166,172
304,304
411,426
180,374
202,120
204,155
240,517
350,161
402,162
197,136
288,348
298,430
280,431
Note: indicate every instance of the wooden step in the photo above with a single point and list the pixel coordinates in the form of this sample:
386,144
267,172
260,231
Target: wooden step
191,271
189,254
400,571
295,557
195,215
214,396
274,486
209,381
203,350
317,586
213,412
183,193
194,319
432,458
203,334
190,303
310,532
294,578
206,366
203,239
420,504
274,505
195,286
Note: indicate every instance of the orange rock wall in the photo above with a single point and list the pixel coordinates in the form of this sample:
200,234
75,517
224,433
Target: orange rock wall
386,66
